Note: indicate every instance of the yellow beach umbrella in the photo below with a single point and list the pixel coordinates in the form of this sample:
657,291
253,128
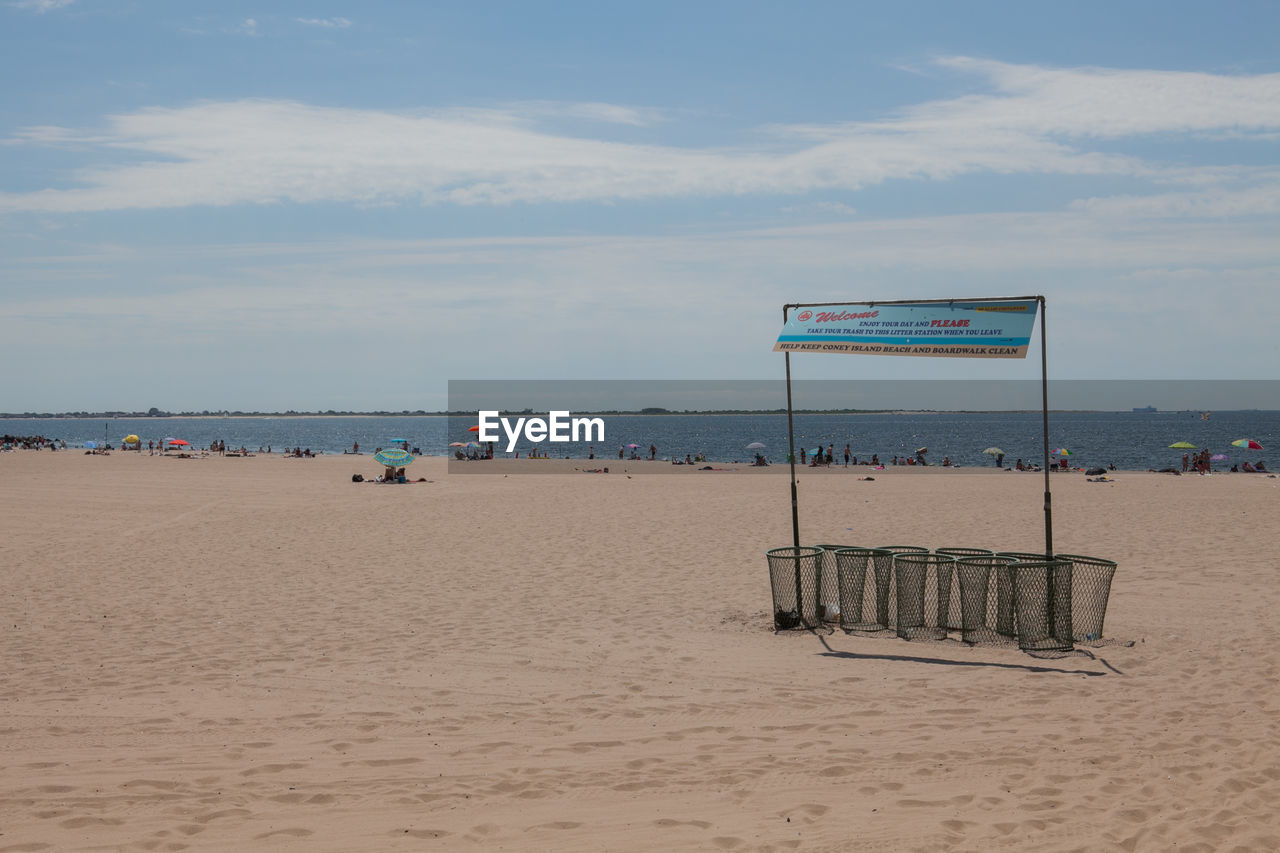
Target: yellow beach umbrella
131,439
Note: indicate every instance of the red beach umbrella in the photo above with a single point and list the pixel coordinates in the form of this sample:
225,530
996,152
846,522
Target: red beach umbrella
177,442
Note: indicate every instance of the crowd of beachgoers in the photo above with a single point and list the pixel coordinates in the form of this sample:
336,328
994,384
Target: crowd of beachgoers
31,442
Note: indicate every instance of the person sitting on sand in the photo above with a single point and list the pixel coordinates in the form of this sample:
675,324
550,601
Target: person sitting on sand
1246,466
1261,466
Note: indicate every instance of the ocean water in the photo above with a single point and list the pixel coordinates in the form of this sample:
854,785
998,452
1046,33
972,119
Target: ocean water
1127,440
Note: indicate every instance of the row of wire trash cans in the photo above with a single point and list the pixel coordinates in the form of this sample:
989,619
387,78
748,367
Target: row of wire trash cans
1045,604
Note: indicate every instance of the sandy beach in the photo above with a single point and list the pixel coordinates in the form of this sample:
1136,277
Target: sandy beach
257,653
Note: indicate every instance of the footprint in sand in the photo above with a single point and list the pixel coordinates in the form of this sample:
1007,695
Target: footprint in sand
667,822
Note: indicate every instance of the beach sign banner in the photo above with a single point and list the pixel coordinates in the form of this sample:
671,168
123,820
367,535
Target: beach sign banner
961,329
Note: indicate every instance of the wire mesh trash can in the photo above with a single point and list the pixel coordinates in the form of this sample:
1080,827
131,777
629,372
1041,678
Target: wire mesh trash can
890,587
1006,622
977,597
829,604
1042,605
864,577
794,575
1090,590
922,581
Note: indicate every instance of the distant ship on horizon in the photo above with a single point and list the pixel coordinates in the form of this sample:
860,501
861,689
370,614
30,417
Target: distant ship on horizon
1144,409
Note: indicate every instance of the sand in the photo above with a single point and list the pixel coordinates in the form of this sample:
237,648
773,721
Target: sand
257,653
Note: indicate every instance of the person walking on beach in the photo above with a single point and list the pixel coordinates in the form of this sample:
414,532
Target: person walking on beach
846,456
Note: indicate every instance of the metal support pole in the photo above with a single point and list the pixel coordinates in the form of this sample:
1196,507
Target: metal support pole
791,457
795,504
1044,403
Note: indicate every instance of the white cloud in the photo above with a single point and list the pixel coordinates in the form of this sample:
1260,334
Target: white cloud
1261,197
327,23
249,27
1037,121
40,6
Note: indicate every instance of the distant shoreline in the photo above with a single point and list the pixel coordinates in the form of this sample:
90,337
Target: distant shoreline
64,416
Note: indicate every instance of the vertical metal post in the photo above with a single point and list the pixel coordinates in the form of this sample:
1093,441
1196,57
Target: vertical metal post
795,506
791,450
1044,403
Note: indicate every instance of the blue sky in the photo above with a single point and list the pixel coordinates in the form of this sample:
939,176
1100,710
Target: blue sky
327,205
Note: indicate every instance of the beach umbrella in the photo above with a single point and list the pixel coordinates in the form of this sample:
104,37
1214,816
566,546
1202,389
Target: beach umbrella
1062,451
177,442
1246,443
755,445
633,446
131,439
994,451
393,457
475,428
92,445
456,444
1219,457
1182,445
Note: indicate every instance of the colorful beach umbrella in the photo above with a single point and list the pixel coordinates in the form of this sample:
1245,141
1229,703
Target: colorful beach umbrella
177,442
1246,443
1182,445
1062,451
994,451
393,457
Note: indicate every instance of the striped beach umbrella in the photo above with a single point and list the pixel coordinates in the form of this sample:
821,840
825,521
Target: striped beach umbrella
393,457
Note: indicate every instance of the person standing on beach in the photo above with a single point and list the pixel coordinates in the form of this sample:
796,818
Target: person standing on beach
653,452
846,456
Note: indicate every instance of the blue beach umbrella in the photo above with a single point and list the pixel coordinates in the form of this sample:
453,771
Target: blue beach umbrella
92,445
393,457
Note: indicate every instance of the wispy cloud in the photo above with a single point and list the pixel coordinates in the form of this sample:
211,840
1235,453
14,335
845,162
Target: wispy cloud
589,111
40,6
1034,121
249,27
327,23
